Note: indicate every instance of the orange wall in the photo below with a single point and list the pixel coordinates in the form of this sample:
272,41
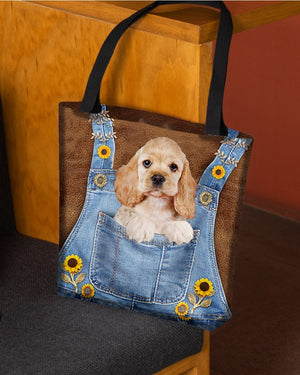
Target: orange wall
262,98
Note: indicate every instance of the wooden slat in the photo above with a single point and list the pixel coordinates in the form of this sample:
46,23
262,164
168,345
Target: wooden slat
185,22
276,11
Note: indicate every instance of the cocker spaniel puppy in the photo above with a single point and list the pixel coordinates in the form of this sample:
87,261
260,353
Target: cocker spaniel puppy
157,193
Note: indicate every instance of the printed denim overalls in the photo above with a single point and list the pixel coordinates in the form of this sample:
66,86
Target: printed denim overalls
99,263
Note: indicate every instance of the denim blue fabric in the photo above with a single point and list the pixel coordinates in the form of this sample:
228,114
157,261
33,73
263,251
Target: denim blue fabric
157,277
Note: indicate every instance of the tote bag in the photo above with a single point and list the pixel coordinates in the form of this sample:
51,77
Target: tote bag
190,283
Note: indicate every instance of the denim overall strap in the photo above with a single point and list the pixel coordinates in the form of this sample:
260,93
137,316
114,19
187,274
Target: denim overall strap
227,158
104,144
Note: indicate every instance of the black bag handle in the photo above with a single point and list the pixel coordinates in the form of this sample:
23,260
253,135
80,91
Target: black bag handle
214,118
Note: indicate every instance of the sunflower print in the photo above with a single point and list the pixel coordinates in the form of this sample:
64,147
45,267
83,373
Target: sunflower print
104,152
72,264
218,172
87,291
181,309
203,287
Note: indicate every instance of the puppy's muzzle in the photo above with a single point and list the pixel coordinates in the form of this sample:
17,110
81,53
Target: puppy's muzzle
157,180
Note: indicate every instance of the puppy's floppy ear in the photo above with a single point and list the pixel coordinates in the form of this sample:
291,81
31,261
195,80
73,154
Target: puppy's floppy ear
126,183
184,200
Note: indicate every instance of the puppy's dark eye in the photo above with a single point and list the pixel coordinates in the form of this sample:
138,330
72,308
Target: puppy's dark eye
147,163
173,167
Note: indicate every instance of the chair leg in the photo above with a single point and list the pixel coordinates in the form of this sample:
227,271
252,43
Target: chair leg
197,364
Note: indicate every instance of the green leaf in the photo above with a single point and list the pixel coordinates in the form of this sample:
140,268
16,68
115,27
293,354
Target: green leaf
192,298
206,303
65,278
80,278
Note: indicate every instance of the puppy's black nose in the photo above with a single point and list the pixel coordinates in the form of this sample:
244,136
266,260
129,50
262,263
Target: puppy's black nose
157,179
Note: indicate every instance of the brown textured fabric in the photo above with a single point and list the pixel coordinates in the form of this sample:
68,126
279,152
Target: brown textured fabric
134,128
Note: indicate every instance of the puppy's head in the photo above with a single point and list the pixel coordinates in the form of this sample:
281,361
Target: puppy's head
158,169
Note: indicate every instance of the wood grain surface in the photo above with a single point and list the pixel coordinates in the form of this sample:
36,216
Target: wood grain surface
162,64
46,58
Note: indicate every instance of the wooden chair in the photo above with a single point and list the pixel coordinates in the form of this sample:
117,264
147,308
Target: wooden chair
197,364
48,49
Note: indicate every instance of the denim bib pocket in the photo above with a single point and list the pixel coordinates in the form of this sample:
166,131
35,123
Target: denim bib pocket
151,272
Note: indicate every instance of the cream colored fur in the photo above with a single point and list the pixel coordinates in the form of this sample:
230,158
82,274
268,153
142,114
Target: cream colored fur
147,209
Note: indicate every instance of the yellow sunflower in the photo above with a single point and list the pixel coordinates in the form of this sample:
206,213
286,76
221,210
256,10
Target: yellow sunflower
203,287
104,152
72,263
218,172
181,309
88,291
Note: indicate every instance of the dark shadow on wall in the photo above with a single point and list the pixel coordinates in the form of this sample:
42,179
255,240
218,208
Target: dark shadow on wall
7,222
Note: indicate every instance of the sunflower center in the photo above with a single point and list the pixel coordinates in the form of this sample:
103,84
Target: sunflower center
181,309
103,151
218,171
205,197
72,262
204,286
87,291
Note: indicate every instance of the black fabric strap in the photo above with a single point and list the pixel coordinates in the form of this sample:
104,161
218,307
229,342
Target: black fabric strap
214,118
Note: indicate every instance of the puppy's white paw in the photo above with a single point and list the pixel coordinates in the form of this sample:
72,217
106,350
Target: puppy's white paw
179,232
136,230
140,235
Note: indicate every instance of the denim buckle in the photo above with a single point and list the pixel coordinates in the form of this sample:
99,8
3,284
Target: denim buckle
205,198
100,180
